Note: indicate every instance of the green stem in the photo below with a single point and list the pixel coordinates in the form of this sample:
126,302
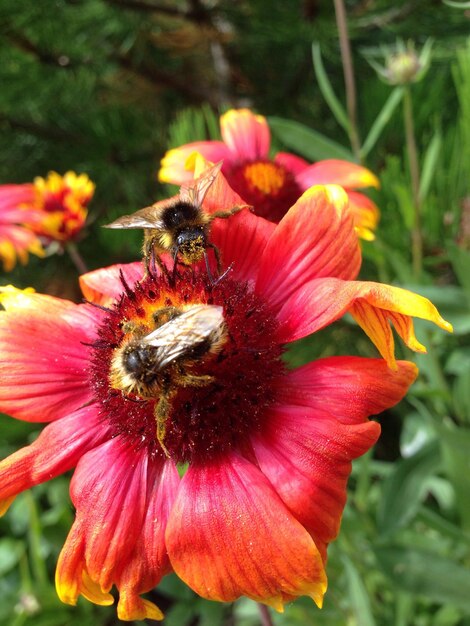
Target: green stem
413,164
363,483
76,257
265,615
38,565
348,70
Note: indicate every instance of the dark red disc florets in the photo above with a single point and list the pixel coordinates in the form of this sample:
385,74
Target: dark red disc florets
203,421
268,186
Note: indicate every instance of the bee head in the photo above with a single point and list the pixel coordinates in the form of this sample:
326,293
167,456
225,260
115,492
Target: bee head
191,243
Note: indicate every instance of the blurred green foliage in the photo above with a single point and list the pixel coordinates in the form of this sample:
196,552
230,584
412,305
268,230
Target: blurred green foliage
105,87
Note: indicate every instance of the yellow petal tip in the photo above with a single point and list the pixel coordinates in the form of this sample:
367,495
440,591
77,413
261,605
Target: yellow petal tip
5,505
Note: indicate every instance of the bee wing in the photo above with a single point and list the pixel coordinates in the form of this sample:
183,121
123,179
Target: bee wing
175,338
149,217
195,191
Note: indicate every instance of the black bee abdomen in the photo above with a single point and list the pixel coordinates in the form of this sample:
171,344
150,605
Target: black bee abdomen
178,215
199,349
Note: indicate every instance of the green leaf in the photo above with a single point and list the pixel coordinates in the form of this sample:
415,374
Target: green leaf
402,192
382,120
460,260
459,361
430,161
327,90
180,614
358,596
457,5
462,397
426,574
455,446
404,489
307,142
11,551
211,613
443,526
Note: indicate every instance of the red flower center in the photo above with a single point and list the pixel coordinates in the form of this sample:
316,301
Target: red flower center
202,420
268,186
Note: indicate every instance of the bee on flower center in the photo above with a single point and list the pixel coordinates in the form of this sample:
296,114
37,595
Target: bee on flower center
179,225
153,365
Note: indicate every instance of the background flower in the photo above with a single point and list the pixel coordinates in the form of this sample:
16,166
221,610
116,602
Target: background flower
271,185
50,209
17,238
63,202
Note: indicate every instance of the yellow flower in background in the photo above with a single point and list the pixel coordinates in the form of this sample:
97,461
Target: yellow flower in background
33,215
63,201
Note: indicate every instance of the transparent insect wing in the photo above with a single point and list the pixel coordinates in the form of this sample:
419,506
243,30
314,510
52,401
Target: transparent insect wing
182,333
149,217
195,192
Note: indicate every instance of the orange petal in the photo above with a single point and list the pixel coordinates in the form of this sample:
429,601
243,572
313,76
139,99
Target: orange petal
229,535
5,505
366,215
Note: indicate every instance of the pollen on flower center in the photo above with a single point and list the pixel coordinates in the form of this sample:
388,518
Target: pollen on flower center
216,398
267,185
267,177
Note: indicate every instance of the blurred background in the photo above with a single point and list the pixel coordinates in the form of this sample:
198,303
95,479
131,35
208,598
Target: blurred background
105,87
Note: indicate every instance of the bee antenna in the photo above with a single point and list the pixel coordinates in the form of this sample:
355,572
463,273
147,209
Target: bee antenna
97,306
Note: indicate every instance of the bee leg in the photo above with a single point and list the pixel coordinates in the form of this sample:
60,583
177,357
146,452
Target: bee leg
151,257
225,214
218,260
194,380
175,264
162,411
206,260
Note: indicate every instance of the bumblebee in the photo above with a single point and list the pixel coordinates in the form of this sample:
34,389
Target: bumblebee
156,364
179,225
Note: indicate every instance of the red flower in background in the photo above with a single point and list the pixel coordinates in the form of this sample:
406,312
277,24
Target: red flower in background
268,450
272,186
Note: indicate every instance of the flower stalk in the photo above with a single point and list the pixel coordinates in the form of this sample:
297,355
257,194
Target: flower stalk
266,619
76,257
413,164
348,70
